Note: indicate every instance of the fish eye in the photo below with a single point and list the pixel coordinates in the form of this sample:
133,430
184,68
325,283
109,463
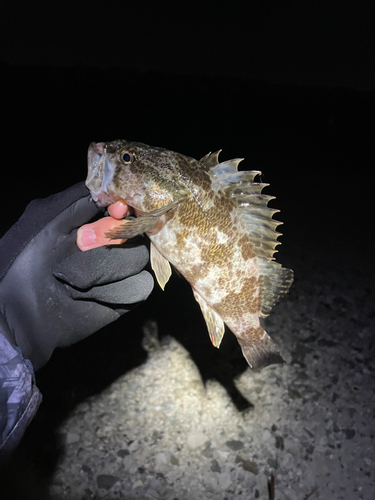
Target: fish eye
127,157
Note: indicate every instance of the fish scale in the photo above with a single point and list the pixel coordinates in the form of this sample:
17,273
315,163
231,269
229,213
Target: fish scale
209,221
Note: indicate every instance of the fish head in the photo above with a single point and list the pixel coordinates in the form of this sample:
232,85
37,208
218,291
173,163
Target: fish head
135,172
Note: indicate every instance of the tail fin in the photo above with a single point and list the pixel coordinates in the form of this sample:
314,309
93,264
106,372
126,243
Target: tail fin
260,354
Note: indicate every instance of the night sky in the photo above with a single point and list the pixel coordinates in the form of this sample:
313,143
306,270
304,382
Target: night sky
316,42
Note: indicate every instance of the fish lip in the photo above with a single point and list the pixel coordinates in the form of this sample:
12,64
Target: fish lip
100,173
104,199
98,147
95,154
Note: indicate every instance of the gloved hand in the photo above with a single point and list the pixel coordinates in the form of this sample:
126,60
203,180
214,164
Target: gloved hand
51,293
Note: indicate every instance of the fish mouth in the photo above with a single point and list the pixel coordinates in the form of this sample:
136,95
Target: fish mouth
100,173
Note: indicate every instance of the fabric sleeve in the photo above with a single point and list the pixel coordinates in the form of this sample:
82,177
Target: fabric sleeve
19,396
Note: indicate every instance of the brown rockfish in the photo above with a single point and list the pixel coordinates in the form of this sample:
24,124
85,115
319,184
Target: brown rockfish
211,223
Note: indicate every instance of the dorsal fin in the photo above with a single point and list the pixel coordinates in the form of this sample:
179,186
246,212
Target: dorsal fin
224,170
204,158
211,159
252,206
259,224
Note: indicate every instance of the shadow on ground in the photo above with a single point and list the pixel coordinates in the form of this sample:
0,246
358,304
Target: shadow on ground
85,369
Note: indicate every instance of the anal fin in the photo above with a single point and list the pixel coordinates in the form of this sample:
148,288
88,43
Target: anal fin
215,324
160,266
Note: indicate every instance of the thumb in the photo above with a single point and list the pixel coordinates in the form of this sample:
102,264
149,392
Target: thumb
93,235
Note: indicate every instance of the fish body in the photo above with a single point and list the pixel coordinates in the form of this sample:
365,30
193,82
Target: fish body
211,223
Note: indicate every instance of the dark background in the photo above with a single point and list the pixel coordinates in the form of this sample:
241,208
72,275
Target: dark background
313,144
291,88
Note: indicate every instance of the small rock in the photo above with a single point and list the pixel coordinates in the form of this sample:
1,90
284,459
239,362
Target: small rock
215,467
71,437
279,442
352,412
334,397
266,435
350,433
137,484
223,455
247,464
225,480
87,469
157,435
174,460
106,481
235,445
123,453
133,446
133,387
294,394
272,463
196,439
208,451
160,459
152,493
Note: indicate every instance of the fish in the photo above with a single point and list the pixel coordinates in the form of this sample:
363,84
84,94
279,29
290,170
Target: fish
208,220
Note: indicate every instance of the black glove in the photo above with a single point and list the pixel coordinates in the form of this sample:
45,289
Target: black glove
51,293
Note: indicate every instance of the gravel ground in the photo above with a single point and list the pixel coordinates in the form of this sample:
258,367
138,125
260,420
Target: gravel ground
162,431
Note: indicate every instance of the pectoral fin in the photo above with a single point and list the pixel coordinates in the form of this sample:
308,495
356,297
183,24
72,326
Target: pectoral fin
213,321
160,266
144,223
132,227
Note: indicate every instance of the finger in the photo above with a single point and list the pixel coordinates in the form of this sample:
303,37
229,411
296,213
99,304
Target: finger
103,265
118,210
128,291
93,235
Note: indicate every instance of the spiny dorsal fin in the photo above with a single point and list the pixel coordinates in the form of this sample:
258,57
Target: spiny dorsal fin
211,159
204,158
257,219
224,170
252,206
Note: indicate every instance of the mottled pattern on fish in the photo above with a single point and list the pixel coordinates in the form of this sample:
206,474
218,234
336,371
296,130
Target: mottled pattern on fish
209,221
